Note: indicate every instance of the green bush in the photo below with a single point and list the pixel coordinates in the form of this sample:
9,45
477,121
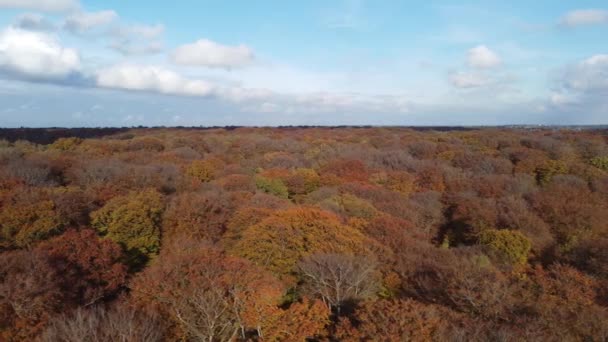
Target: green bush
272,186
551,168
506,246
133,221
600,162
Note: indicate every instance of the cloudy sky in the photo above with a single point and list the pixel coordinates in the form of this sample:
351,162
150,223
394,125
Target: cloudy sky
194,62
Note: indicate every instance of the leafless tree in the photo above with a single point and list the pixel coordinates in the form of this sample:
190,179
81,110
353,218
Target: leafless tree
120,324
338,278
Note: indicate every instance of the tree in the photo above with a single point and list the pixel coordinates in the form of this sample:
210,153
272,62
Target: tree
209,295
572,211
346,170
90,268
339,279
201,216
241,220
279,241
66,144
273,186
120,324
399,320
548,170
30,293
506,246
204,170
460,279
563,301
302,181
23,224
349,205
303,320
600,162
134,222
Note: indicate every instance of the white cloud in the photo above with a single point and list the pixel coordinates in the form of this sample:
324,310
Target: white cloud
463,79
590,74
152,79
34,22
142,31
41,5
36,55
128,47
482,57
210,54
561,99
585,17
582,88
137,39
86,21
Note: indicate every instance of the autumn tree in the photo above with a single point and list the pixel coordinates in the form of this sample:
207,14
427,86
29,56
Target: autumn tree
30,294
23,224
279,241
302,181
506,246
339,279
90,268
303,320
211,296
204,170
198,215
133,221
398,320
345,170
121,323
273,186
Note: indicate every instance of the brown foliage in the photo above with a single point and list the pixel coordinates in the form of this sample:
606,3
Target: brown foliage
90,268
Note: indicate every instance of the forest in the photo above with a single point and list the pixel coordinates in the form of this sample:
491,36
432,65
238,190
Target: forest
304,234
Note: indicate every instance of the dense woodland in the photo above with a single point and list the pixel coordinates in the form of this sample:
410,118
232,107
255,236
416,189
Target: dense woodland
269,234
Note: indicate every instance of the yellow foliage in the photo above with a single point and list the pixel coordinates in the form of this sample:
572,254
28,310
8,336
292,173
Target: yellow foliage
22,225
279,241
203,170
132,220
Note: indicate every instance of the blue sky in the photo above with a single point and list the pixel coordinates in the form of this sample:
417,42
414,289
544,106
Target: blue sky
124,63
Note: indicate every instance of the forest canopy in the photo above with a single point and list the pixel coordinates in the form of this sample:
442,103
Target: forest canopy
295,234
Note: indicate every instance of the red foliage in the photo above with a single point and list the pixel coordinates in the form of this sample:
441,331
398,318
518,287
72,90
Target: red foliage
90,267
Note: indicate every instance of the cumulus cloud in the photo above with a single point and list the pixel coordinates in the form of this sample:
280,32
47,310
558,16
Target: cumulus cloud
589,75
36,55
151,79
462,79
41,5
85,21
482,57
210,54
582,88
585,17
34,22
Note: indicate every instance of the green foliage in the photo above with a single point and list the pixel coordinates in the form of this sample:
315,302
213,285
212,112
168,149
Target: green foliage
133,221
272,186
507,246
23,225
66,144
551,168
600,162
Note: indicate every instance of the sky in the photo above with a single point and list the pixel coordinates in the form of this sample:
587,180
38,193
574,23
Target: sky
93,63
